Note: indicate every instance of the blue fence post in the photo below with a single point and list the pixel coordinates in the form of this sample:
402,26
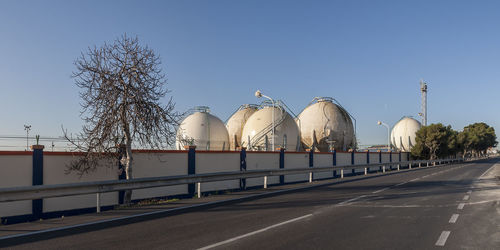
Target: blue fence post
334,162
380,159
390,159
243,167
191,167
282,164
352,162
311,160
37,205
368,160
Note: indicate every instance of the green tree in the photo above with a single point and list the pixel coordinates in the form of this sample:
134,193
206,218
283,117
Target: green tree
477,138
435,141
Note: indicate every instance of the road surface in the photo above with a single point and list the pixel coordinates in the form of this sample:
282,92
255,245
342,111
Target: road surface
445,207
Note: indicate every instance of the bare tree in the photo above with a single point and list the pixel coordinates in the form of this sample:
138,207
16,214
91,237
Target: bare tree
122,85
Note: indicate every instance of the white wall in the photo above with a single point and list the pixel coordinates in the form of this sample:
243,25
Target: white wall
296,160
218,161
54,172
261,161
16,170
374,158
343,158
323,160
157,164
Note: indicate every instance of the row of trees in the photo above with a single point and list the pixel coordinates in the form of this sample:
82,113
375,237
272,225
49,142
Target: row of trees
439,141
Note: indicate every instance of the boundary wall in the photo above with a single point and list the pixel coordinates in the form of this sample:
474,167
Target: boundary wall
36,167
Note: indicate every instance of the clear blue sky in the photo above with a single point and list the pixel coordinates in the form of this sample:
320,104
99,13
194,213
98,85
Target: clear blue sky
369,55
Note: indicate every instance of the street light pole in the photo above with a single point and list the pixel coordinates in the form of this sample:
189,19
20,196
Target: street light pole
27,128
258,94
388,134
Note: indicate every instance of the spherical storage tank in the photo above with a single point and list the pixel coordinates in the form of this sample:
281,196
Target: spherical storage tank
403,133
203,130
236,122
323,124
257,132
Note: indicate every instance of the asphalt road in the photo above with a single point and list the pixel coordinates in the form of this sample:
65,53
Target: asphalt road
446,207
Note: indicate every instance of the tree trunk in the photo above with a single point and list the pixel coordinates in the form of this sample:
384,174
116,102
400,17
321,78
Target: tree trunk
127,198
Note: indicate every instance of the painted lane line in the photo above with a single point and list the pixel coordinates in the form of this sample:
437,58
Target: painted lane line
402,183
416,179
442,238
380,190
351,200
461,206
453,218
254,232
466,197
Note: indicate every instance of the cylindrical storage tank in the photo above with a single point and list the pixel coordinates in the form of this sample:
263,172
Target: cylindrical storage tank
324,124
403,134
236,122
257,132
203,130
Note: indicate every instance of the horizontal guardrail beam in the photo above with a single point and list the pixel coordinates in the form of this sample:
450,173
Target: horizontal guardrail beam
70,189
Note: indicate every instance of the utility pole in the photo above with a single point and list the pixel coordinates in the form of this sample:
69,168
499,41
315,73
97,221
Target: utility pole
423,114
27,128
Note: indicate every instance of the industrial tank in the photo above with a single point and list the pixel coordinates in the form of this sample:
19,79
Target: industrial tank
257,132
236,122
324,124
403,134
203,130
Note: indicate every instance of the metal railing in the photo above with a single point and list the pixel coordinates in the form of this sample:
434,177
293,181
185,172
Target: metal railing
98,187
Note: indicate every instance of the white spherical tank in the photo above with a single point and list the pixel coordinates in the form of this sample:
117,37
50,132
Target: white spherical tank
257,132
236,122
324,124
203,130
403,134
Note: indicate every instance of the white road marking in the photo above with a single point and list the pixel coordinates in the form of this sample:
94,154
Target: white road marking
416,179
453,218
380,190
469,192
466,197
442,238
461,206
254,232
351,200
402,183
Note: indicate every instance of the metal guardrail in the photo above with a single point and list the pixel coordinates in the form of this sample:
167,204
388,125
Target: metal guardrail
60,190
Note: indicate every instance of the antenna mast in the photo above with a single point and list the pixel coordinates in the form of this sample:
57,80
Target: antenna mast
423,90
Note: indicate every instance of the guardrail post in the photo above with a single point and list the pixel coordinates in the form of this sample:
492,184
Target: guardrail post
383,169
282,165
265,181
198,189
243,167
311,164
98,205
191,166
342,173
419,164
37,205
334,161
